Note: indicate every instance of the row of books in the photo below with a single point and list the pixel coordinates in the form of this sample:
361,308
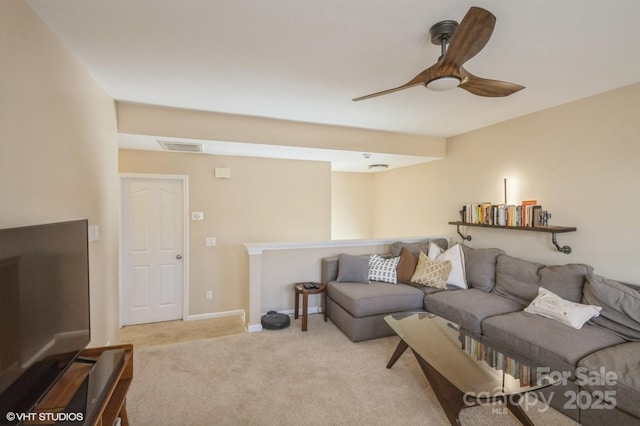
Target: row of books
495,359
529,213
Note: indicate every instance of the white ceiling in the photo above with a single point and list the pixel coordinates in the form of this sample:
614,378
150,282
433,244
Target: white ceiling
305,60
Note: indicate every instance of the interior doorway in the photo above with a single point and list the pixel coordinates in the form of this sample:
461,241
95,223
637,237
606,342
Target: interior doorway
154,260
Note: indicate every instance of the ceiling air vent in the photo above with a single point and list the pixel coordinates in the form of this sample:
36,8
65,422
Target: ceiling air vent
181,146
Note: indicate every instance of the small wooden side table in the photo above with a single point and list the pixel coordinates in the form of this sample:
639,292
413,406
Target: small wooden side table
299,289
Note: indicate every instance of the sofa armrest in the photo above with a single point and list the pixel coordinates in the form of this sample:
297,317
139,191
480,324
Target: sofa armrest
329,269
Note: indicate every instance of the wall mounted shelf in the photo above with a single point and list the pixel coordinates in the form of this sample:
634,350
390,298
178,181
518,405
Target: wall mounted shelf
553,230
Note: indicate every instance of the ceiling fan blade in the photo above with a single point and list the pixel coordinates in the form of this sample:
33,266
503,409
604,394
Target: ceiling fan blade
470,37
485,87
422,78
384,92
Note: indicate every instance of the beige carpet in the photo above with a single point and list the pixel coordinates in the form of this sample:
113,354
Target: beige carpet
162,333
287,377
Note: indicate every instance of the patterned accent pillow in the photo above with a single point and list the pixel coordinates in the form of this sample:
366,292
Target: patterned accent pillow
431,272
383,269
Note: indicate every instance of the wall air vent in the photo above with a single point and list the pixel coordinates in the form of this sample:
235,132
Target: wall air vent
181,146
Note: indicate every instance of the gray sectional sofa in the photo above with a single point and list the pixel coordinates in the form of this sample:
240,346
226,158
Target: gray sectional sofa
601,360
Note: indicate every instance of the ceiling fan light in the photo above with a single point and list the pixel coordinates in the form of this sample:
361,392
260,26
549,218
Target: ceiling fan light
443,83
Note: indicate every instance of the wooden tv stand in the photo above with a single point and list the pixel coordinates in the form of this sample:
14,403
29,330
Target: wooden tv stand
114,404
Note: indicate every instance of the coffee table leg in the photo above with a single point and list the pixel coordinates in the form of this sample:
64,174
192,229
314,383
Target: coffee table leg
516,410
453,401
305,302
450,398
402,346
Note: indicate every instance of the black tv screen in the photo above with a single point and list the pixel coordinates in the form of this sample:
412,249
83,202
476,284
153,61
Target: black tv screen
44,308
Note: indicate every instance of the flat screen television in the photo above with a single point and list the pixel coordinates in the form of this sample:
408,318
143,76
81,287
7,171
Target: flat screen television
44,309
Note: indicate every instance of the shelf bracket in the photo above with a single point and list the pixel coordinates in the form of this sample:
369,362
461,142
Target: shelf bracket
563,249
467,237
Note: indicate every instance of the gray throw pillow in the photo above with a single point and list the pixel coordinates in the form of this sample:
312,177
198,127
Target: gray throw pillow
480,265
416,248
353,269
620,306
517,279
566,281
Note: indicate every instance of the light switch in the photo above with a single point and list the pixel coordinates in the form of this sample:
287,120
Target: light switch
93,233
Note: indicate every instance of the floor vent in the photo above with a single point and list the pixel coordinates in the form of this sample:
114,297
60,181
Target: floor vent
181,146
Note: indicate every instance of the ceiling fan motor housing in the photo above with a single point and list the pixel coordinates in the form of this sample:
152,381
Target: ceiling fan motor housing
442,31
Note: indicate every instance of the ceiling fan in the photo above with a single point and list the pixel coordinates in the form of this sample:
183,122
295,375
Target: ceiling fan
459,43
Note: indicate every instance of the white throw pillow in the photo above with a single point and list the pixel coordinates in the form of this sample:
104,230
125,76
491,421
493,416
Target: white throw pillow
455,255
383,269
550,305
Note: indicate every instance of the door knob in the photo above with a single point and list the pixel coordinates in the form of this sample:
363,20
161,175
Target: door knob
178,256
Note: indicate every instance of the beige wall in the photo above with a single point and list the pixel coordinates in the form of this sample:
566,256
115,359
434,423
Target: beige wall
351,205
579,160
264,200
58,150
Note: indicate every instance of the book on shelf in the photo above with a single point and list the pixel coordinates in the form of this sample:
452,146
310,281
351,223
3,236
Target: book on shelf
502,215
528,214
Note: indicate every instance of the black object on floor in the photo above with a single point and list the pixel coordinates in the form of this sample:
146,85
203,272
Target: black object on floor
275,321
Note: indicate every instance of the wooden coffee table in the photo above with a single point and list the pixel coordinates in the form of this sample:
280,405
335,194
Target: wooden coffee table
457,378
305,292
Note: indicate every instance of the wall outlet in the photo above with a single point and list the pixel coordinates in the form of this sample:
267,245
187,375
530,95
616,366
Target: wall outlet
209,294
210,241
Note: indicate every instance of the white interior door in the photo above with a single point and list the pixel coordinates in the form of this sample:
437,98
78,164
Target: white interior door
152,250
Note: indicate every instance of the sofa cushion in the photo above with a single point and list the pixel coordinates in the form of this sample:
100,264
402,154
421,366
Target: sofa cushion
480,266
416,248
353,268
614,369
362,300
517,279
550,305
546,342
620,306
468,308
566,281
431,290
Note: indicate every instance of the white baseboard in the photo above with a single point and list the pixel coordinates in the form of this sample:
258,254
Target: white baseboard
311,310
215,315
255,327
